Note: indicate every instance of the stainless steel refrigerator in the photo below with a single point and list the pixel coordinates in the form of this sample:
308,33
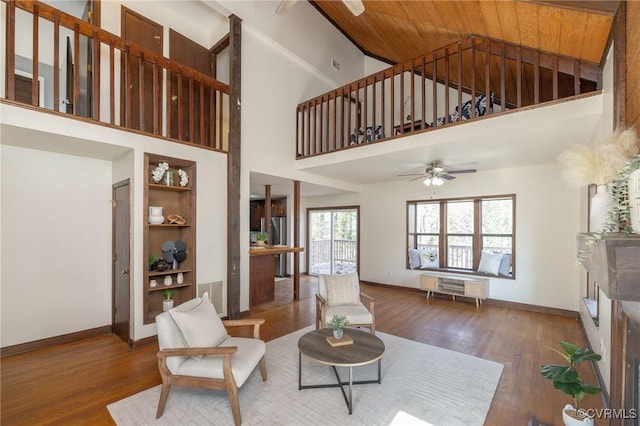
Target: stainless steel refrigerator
278,237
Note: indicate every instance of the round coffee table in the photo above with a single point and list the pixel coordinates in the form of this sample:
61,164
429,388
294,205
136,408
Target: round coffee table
365,349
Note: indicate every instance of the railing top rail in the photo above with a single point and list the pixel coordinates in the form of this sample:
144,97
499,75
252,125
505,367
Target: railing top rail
84,28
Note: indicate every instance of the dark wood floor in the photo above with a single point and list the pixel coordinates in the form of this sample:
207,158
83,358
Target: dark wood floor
71,384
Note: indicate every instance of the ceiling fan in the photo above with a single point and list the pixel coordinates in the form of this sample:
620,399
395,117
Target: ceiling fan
355,6
435,174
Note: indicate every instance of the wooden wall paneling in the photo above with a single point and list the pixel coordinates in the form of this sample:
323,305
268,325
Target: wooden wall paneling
632,67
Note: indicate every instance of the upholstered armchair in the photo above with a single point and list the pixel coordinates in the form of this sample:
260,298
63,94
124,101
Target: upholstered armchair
340,295
196,351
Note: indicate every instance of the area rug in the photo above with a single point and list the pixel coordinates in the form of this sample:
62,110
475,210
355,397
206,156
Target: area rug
435,385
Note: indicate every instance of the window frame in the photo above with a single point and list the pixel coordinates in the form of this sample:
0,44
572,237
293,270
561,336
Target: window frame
477,239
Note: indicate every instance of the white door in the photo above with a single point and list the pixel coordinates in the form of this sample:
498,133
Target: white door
333,240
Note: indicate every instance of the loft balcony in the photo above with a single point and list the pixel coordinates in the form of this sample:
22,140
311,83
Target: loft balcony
86,73
467,81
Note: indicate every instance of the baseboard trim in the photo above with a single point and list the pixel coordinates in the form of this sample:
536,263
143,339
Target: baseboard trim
495,302
56,340
135,344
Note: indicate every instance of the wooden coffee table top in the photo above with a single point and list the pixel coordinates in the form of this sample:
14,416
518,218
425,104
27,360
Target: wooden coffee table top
365,349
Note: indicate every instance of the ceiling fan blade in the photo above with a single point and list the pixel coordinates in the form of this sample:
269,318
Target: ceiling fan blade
416,178
285,6
446,176
355,6
413,174
461,171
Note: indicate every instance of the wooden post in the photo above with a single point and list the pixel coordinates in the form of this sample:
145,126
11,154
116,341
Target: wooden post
296,239
233,171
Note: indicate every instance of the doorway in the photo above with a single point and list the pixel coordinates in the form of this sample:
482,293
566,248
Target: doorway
121,286
334,240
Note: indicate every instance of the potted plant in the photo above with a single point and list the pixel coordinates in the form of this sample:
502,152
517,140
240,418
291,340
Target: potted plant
261,239
167,303
566,379
337,323
153,258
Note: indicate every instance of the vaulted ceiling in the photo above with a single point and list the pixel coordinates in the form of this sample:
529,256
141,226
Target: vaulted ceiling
396,31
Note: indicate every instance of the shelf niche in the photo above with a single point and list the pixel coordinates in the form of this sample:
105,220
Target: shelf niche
174,199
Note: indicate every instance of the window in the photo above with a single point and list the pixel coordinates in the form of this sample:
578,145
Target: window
457,231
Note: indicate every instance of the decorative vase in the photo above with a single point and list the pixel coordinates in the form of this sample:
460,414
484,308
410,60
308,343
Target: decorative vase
155,215
337,333
180,278
153,283
571,420
634,200
260,242
167,304
600,204
168,280
169,176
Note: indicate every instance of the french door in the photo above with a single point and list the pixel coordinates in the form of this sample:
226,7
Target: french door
333,236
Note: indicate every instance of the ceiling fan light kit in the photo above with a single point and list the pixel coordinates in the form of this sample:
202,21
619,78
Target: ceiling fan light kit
435,174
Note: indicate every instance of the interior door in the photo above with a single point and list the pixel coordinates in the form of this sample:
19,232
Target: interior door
333,236
189,53
121,312
148,34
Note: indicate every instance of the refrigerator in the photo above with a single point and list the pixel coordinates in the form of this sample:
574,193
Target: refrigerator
278,237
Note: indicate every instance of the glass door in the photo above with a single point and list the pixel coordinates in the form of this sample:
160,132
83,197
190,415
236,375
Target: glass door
333,240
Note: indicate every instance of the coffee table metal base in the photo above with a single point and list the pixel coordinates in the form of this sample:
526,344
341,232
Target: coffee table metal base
340,383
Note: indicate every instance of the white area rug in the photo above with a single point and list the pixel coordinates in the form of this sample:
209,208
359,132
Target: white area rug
436,385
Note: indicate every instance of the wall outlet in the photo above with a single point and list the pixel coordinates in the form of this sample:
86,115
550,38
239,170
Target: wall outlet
335,64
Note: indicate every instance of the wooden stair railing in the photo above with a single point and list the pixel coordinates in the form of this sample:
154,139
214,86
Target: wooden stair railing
385,105
113,55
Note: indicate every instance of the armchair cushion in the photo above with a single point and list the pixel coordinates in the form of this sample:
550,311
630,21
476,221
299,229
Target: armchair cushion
199,324
357,314
342,289
249,353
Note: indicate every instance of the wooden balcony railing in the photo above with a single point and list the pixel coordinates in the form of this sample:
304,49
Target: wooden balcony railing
197,105
438,89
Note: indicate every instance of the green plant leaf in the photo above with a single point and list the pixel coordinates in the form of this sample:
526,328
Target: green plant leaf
584,355
559,373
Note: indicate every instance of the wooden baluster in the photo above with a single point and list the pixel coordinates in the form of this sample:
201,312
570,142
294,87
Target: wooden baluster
221,118
10,61
536,78
112,83
127,88
308,126
95,77
472,111
192,130
424,92
519,76
402,98
413,98
212,118
373,102
460,85
576,77
503,72
201,115
335,124
434,85
76,71
382,104
555,77
35,93
56,61
365,112
179,107
487,78
446,79
393,98
141,88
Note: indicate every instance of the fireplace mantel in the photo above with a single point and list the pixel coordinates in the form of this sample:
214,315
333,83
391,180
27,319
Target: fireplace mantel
614,263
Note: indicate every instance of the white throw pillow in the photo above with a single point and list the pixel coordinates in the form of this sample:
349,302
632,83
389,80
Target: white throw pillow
414,258
490,262
505,265
342,289
429,259
199,324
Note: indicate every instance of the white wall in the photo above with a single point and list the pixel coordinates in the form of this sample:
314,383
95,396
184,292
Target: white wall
56,234
599,336
121,155
546,208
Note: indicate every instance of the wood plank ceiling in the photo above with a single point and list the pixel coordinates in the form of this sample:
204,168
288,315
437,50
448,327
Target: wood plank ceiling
396,31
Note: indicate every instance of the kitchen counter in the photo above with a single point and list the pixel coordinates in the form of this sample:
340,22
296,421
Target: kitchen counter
267,250
262,272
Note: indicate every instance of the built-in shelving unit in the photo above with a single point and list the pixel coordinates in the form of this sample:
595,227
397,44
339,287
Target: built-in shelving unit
175,200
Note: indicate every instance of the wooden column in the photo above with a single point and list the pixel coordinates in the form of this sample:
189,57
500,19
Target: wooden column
233,171
296,239
267,211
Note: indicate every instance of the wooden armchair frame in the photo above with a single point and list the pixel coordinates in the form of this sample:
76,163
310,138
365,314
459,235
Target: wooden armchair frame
321,311
227,383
